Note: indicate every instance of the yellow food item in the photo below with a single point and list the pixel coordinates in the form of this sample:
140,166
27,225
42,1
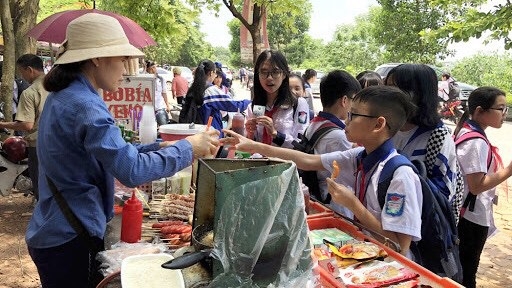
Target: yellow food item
335,170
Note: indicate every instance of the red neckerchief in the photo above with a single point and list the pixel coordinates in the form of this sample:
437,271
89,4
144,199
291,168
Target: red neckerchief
267,138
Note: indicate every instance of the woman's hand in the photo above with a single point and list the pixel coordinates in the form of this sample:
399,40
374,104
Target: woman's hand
205,143
340,193
239,142
268,123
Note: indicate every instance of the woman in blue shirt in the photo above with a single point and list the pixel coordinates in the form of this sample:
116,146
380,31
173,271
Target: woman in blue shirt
81,150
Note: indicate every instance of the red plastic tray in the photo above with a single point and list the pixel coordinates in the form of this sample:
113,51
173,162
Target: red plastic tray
327,280
317,210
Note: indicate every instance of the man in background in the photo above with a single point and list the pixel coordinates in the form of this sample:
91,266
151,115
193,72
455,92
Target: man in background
30,106
179,85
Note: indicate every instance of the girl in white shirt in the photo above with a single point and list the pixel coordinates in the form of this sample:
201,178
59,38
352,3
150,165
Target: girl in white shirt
486,108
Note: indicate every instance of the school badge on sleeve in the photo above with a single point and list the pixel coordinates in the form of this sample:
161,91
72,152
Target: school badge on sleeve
394,204
303,117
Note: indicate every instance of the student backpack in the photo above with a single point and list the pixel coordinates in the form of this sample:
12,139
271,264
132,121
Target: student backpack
310,178
438,248
469,202
190,112
453,90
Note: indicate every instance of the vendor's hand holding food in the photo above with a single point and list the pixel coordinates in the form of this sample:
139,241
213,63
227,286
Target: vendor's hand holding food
205,143
240,142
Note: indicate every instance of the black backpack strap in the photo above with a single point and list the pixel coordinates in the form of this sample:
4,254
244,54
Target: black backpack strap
306,144
72,219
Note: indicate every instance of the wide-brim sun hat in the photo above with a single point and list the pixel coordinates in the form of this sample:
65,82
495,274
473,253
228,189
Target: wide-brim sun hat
94,35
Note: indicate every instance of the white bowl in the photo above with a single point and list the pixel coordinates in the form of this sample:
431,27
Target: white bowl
145,271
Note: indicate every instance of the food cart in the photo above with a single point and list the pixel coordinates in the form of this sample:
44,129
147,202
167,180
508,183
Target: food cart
225,201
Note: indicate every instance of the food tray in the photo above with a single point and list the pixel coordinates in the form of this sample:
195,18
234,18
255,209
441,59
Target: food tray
327,280
317,210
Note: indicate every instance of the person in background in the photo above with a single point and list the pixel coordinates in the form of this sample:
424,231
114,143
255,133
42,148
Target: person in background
225,81
369,78
309,77
211,98
420,81
77,131
179,85
487,107
285,115
376,113
298,89
162,106
336,92
242,73
30,107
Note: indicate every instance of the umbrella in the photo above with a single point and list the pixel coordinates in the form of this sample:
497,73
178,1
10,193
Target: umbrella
53,28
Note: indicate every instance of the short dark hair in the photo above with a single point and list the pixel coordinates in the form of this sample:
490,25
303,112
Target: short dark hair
389,102
336,84
308,74
30,60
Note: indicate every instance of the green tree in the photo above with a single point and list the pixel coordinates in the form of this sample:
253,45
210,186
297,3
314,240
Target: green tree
281,32
354,47
475,22
399,25
259,9
486,70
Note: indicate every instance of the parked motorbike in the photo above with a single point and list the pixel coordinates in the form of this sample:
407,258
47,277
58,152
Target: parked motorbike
451,110
13,163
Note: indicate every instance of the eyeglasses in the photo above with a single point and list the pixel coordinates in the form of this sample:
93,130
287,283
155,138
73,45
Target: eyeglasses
274,73
352,114
504,110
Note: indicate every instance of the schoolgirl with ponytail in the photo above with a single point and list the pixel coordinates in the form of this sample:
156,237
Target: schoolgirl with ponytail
483,170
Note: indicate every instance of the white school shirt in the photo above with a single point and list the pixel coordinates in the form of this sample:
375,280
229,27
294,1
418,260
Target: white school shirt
159,89
417,150
334,140
472,155
402,210
287,123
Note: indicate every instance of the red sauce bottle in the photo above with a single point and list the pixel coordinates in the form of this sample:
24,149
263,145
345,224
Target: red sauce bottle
131,224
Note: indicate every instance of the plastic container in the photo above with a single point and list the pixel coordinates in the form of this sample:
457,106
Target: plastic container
238,123
131,223
305,191
173,132
147,125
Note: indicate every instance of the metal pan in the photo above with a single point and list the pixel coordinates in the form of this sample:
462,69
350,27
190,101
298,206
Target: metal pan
202,254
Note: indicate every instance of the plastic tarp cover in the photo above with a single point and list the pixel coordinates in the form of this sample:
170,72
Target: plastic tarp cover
269,225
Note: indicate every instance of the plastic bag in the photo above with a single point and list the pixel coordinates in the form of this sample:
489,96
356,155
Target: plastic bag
111,259
264,234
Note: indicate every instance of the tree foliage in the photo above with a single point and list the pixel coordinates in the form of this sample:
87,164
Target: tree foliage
354,47
475,22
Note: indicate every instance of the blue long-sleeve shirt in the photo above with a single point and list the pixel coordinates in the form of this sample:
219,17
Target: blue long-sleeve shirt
215,101
81,149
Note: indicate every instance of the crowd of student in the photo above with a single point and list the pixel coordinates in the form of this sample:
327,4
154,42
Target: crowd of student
375,120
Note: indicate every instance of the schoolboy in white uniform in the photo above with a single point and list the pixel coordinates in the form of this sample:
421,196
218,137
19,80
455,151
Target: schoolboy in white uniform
336,92
377,113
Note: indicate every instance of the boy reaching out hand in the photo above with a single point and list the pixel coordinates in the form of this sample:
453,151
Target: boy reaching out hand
377,113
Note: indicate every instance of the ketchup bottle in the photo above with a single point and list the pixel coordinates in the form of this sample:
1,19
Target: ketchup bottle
131,224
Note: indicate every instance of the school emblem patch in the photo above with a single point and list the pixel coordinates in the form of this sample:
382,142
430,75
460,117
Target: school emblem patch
303,116
394,204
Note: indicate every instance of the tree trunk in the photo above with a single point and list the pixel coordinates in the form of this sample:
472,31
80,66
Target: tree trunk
24,14
6,88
